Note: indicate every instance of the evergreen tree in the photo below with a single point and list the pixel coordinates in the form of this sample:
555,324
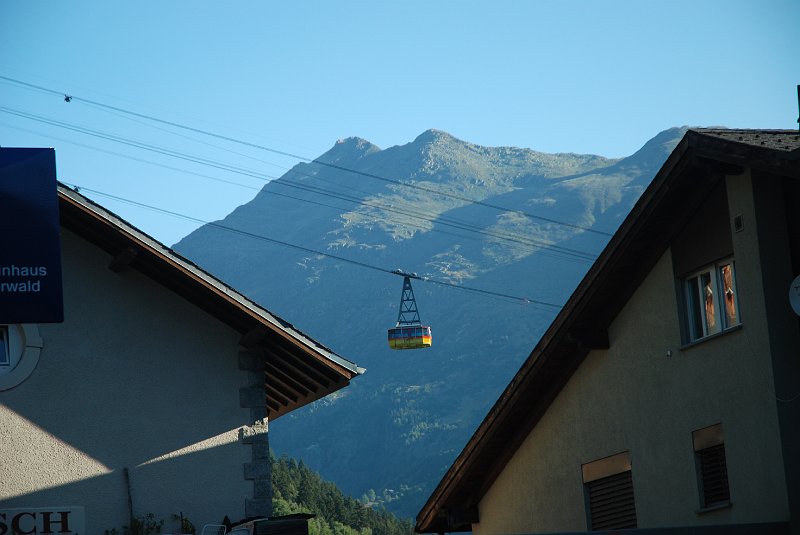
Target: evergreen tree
297,489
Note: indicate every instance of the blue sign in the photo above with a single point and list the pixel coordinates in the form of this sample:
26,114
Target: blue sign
30,239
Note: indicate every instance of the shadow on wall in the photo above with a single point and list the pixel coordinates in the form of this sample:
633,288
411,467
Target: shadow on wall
197,485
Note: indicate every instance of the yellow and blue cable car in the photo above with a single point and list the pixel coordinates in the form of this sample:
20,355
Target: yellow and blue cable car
409,333
410,337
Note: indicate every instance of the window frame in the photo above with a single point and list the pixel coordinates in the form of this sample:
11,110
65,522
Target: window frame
701,319
24,349
5,350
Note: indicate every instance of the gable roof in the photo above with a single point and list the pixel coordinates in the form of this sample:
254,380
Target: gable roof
298,369
697,164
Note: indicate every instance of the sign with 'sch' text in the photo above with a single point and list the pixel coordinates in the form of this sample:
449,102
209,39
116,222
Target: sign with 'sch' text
30,239
43,521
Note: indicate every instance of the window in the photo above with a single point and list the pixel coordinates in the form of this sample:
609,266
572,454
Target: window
712,469
711,303
5,357
608,488
10,348
20,347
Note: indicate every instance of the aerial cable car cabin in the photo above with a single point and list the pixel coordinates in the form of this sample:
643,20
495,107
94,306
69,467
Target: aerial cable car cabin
409,333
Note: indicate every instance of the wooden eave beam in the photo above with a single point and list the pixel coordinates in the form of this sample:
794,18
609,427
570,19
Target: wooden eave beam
318,380
275,396
281,366
305,401
272,405
274,376
302,366
275,385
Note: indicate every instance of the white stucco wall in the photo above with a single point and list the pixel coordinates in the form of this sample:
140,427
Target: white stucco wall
635,398
134,378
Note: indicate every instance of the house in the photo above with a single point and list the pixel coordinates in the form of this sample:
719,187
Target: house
151,401
665,396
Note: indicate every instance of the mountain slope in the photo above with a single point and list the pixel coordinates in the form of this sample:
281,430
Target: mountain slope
431,206
297,489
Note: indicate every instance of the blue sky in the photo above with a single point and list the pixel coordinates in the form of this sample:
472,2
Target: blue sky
554,76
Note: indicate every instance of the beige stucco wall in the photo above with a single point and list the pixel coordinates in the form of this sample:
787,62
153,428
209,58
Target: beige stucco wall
636,398
134,378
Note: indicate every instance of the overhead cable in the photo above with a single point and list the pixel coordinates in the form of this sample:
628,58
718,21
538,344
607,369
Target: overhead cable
310,250
72,98
547,248
209,177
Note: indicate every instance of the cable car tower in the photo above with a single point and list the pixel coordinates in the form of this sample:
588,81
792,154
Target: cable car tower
409,333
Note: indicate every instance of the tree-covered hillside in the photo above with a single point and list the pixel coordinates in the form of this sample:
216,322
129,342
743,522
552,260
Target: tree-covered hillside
297,489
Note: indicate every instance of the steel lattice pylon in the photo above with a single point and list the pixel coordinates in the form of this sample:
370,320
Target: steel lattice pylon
408,314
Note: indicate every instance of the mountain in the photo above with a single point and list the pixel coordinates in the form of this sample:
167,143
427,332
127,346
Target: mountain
518,228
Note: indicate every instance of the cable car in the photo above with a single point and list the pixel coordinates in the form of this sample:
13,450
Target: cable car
410,337
409,333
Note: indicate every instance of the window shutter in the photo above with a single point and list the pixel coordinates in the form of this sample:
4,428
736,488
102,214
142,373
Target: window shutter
611,504
713,475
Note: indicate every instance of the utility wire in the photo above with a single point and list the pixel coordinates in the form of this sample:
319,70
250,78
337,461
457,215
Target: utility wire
72,98
193,139
308,249
217,179
129,157
436,218
554,250
138,144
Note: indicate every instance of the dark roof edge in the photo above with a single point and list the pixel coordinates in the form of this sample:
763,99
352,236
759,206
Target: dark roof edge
216,286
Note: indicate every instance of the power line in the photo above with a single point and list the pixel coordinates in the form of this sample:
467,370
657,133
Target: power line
138,144
448,221
308,249
72,98
129,157
209,177
556,251
194,139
